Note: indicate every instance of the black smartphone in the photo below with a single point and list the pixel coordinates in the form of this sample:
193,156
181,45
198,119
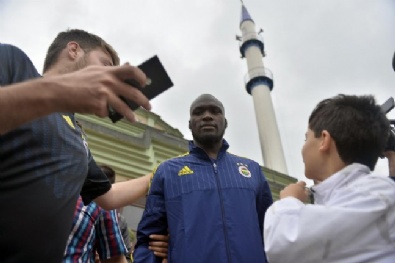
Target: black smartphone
157,82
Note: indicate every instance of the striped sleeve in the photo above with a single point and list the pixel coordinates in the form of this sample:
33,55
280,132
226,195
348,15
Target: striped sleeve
110,242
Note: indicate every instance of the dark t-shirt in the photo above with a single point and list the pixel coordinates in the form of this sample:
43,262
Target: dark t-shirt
43,165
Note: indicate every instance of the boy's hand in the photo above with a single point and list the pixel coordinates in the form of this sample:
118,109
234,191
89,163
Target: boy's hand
297,190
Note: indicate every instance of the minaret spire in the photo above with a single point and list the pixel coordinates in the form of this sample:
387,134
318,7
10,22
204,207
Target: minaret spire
259,83
245,16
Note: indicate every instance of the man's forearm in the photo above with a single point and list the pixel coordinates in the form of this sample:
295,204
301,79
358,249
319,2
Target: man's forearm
124,193
90,90
26,101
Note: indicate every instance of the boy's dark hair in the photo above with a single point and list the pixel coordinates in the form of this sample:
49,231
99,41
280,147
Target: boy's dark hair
109,172
357,125
87,42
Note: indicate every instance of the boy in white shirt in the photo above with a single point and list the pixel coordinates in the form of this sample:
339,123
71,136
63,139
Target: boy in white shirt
353,218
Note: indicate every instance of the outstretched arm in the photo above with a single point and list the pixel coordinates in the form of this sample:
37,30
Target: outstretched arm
90,90
124,193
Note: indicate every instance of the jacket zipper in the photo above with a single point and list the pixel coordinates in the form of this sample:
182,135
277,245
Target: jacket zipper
222,212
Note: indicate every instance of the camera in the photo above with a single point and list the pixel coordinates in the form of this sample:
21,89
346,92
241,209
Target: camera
387,107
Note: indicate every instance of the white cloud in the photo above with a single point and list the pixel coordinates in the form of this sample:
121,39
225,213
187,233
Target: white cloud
315,49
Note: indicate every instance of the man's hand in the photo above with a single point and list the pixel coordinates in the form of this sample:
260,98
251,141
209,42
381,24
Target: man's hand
297,190
91,90
159,245
96,88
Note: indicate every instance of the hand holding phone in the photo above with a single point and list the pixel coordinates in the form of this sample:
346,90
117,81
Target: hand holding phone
157,82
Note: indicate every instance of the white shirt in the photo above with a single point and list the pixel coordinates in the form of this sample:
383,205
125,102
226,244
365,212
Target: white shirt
352,220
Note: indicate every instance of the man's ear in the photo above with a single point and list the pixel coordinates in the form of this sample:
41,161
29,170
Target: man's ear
326,141
189,125
226,123
73,50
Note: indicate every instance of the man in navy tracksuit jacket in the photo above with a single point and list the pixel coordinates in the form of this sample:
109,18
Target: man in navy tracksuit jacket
211,202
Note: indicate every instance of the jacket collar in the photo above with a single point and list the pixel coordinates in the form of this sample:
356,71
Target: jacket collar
199,152
323,191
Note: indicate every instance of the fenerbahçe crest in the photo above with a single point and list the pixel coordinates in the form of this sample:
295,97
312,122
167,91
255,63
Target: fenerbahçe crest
243,170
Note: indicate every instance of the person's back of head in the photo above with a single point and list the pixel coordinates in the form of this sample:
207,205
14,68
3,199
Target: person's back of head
85,40
109,172
357,125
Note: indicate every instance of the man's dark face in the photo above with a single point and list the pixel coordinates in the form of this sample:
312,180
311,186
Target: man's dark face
207,122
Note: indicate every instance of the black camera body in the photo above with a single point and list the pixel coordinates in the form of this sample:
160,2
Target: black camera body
387,107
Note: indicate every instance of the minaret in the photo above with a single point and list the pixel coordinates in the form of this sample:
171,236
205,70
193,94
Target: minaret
259,83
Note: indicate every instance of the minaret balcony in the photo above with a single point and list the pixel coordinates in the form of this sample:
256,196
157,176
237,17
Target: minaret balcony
251,39
258,76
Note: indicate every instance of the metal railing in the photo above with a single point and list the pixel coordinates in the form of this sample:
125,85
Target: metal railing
249,36
258,72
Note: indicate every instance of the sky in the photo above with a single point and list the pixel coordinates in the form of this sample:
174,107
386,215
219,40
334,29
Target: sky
315,48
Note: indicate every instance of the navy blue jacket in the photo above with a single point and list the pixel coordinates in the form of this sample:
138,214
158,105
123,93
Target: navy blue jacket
213,209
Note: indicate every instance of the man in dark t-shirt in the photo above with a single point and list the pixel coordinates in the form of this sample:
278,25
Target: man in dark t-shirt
42,169
39,181
45,163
